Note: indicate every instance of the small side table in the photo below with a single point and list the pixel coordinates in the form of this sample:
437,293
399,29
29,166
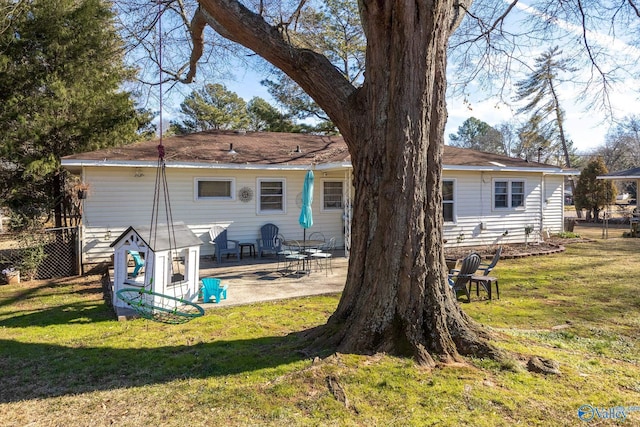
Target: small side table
251,246
486,282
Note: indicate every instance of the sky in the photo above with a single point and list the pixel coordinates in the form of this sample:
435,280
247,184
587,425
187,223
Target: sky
586,127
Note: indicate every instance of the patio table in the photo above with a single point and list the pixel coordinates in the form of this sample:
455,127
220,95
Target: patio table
304,245
251,246
486,282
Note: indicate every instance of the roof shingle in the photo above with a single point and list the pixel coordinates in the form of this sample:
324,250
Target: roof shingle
270,148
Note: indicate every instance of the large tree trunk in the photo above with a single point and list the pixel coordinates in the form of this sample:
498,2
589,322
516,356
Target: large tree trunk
396,297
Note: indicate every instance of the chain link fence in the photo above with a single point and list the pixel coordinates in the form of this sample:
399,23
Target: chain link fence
45,254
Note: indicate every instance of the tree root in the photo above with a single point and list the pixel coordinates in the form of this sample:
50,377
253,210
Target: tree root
338,392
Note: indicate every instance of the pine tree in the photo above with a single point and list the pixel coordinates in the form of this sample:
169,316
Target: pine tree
592,193
543,101
213,107
265,117
61,72
478,135
540,92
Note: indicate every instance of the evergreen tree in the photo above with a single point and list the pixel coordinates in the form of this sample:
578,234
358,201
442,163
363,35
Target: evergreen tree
60,77
534,141
265,117
591,193
478,135
334,30
539,90
213,107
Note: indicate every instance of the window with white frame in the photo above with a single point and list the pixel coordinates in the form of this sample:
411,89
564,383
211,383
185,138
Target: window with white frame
215,188
448,199
508,194
271,197
332,195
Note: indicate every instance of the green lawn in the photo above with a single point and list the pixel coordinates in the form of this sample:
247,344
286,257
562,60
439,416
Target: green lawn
65,361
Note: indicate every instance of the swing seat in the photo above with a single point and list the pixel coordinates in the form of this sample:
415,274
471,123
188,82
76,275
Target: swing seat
211,288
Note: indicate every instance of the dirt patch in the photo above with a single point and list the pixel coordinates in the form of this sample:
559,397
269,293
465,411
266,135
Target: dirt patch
514,250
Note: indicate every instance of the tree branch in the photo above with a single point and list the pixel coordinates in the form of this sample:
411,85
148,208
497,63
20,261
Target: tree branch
634,7
487,33
197,25
592,58
312,71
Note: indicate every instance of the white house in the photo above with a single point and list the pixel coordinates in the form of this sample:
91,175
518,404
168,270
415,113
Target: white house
242,180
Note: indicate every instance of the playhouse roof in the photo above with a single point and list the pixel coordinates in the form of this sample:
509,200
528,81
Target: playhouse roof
181,237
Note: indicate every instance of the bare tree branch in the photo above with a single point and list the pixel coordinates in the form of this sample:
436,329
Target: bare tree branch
198,23
634,7
312,71
594,62
8,10
499,21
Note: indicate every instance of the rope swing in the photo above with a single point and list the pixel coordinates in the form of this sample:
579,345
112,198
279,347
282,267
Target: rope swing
144,301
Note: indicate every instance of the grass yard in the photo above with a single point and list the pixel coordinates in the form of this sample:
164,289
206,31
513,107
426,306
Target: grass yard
64,361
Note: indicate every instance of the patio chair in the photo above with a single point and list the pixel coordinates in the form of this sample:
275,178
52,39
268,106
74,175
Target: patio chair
316,235
283,252
326,255
296,257
138,262
268,241
223,245
486,268
459,281
211,287
484,279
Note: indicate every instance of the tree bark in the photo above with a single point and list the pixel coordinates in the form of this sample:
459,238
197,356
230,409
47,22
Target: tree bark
397,298
57,199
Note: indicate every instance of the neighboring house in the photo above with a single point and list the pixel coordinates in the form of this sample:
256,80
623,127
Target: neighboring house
242,180
627,175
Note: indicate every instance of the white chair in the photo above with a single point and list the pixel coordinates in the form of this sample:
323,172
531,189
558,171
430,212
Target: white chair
326,255
295,257
283,252
316,235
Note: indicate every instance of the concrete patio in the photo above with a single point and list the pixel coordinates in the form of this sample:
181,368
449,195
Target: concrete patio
252,280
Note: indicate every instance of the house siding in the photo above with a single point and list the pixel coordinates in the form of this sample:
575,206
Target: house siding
477,222
118,199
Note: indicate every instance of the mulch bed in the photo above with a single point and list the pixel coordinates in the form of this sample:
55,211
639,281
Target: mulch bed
513,250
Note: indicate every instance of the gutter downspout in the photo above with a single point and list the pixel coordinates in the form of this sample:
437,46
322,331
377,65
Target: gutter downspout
542,203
